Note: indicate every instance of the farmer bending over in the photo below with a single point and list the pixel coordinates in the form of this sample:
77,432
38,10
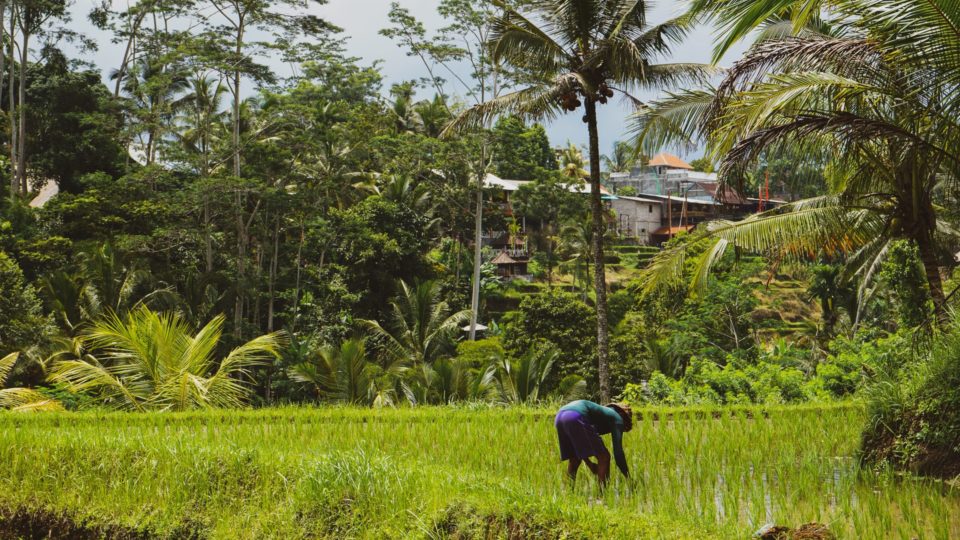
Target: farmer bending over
579,426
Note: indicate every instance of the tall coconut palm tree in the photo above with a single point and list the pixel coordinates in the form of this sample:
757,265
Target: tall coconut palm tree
623,157
201,120
421,325
889,127
152,86
151,361
572,164
578,54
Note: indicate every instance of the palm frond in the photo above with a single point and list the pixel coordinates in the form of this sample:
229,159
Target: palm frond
27,400
799,231
676,120
6,366
537,103
736,19
522,43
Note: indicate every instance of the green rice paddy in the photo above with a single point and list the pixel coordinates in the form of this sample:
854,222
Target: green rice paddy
449,473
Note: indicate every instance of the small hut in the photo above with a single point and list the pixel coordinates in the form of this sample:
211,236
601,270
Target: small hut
509,267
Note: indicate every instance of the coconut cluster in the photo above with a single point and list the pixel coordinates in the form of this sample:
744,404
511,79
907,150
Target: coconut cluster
605,93
571,100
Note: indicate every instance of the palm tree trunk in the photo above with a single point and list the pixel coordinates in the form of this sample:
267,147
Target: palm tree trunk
599,274
296,287
273,273
549,257
931,267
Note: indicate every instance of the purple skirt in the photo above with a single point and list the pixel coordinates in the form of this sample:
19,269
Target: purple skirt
578,437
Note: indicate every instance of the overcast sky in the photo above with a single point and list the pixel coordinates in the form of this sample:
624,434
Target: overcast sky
363,19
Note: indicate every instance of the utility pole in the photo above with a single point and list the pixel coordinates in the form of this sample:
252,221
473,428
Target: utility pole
669,216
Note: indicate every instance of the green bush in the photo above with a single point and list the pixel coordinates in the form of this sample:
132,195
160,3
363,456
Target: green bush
22,323
914,412
706,382
561,320
480,352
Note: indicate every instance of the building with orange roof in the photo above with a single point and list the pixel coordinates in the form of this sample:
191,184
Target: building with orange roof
668,161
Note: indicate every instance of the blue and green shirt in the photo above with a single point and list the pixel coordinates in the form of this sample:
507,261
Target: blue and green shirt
606,420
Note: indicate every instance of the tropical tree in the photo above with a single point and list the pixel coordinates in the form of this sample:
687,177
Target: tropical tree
572,164
421,326
406,117
201,121
888,126
343,373
623,158
22,399
575,244
404,190
524,379
577,54
108,281
150,361
152,86
448,380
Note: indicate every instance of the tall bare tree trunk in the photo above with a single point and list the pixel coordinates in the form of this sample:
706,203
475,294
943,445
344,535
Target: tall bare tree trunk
3,9
122,70
14,172
241,240
22,116
296,287
273,272
600,275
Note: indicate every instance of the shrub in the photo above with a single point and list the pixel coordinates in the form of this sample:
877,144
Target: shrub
914,412
22,322
560,320
480,352
152,361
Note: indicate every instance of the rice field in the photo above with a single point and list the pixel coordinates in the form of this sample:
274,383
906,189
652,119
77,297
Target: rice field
449,473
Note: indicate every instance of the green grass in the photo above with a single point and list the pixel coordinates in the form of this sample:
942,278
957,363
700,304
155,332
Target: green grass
453,472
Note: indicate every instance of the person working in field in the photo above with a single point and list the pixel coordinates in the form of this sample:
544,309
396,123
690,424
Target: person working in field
579,427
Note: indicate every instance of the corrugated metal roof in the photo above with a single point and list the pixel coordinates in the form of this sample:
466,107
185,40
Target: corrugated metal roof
493,180
674,198
639,199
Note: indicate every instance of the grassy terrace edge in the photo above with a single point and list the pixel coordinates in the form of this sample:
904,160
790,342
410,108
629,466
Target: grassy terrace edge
86,479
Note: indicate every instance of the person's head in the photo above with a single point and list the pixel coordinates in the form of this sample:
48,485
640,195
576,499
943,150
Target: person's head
625,413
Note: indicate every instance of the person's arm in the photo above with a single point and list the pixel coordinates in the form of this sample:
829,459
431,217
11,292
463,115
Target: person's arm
616,437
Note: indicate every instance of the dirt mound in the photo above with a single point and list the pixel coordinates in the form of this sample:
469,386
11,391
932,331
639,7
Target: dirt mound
39,524
809,531
464,522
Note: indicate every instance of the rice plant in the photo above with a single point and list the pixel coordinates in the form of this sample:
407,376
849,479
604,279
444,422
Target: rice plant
470,471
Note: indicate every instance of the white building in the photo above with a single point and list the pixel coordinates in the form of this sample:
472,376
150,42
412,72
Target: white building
637,217
667,174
